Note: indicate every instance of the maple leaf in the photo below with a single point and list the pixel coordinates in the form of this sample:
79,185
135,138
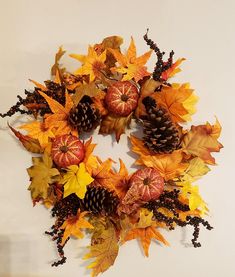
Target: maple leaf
89,89
38,85
55,69
37,130
145,230
112,123
195,170
32,145
90,160
172,70
93,63
147,89
130,66
104,176
104,248
138,146
178,100
99,103
122,185
59,118
113,42
76,180
201,140
168,165
194,197
42,174
73,225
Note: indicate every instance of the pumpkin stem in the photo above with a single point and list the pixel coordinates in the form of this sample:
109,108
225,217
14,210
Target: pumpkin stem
64,149
146,181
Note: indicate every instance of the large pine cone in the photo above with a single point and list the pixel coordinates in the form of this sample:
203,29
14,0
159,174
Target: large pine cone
160,133
99,200
84,117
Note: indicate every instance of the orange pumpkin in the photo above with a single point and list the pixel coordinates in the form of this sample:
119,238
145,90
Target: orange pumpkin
122,98
148,182
67,150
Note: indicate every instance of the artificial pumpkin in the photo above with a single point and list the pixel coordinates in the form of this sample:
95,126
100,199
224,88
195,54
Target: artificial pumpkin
148,182
67,150
122,98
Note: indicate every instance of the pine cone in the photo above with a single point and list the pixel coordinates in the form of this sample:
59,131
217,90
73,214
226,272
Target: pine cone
99,200
160,133
84,117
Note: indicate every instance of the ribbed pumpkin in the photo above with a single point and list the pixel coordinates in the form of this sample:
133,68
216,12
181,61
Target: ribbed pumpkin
67,150
122,98
148,182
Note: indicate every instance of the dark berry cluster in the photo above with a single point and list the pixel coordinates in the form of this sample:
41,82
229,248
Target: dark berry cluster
34,103
170,201
160,66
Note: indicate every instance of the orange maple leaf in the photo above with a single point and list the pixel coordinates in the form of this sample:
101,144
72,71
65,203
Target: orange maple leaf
104,175
172,70
74,225
145,235
145,230
32,145
59,118
122,186
178,100
38,131
168,165
131,67
113,123
93,63
201,140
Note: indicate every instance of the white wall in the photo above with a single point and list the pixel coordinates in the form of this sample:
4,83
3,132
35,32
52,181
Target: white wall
201,31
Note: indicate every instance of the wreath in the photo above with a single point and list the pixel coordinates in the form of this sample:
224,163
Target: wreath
85,194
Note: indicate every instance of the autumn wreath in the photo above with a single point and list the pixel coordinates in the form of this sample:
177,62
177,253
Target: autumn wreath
109,90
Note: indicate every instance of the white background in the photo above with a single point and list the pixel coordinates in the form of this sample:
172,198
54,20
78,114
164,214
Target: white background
202,31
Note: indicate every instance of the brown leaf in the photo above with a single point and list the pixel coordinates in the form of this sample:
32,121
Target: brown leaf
90,90
32,145
58,56
112,123
201,140
147,89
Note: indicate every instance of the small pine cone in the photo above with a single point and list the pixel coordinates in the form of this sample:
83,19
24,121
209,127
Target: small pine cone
99,200
160,133
84,117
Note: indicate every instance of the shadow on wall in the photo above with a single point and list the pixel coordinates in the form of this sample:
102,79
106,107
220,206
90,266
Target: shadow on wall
16,256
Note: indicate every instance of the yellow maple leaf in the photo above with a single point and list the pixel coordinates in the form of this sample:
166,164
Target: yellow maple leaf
145,218
195,170
92,64
201,140
42,174
39,131
59,118
195,200
179,100
72,226
76,180
131,67
104,248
